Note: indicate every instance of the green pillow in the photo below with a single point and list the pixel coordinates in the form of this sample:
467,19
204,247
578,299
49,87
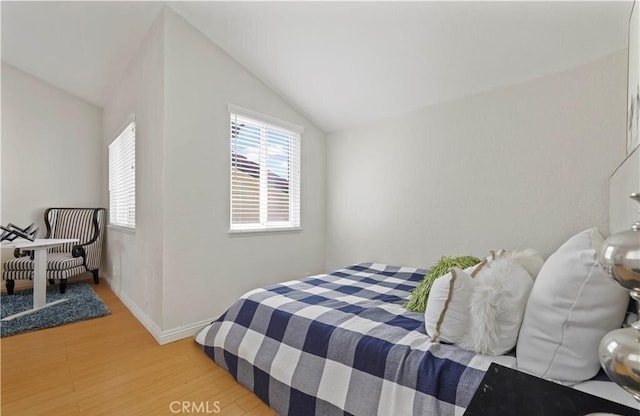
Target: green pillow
419,295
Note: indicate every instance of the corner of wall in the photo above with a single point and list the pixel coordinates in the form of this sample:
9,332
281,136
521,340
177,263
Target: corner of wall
133,307
134,261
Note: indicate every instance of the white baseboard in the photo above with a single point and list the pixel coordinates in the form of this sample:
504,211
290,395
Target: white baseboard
133,307
183,331
161,337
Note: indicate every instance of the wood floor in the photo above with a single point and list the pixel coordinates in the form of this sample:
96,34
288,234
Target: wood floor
113,366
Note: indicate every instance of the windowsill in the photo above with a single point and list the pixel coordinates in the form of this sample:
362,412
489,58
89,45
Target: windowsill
238,233
121,229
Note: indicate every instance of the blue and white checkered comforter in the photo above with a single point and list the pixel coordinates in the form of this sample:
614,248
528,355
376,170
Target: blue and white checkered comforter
341,344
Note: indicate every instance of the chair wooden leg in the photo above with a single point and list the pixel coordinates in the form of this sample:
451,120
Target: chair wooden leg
63,286
10,284
96,276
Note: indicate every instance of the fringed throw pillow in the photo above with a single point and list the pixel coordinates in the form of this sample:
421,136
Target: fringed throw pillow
418,300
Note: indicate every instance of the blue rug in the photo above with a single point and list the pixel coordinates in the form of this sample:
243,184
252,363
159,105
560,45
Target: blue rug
83,304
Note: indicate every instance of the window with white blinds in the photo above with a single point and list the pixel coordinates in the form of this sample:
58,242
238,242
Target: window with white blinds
122,178
265,172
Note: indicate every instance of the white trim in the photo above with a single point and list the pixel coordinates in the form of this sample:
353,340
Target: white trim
265,118
263,230
122,229
161,337
133,307
184,331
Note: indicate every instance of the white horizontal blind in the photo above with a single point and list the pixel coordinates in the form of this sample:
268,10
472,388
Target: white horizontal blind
265,175
122,178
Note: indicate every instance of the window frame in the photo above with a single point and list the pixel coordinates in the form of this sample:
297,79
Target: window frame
276,125
122,226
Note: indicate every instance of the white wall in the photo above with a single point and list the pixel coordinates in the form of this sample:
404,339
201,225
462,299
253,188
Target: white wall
134,261
520,166
205,268
624,181
181,268
51,149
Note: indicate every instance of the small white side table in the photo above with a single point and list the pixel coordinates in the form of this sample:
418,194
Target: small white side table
39,247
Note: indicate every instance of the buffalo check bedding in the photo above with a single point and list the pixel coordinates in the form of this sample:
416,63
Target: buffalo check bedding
342,344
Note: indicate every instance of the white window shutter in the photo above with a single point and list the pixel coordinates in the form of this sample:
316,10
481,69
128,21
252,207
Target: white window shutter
265,172
122,178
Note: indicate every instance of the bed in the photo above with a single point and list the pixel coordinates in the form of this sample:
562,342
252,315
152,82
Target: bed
341,343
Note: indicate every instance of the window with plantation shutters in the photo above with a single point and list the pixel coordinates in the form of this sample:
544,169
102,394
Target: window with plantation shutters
122,178
265,172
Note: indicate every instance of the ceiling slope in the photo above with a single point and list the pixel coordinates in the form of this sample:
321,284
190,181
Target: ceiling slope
340,63
82,47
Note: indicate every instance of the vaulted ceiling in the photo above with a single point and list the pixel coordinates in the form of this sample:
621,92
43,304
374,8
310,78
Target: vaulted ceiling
340,63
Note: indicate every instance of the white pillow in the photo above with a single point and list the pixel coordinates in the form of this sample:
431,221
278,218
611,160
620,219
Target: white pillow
446,317
529,259
571,306
497,306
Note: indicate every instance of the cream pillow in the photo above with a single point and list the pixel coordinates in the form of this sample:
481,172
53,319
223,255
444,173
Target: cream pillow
529,259
446,317
496,307
571,306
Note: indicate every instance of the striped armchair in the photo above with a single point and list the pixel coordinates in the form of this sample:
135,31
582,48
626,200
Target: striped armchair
64,261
